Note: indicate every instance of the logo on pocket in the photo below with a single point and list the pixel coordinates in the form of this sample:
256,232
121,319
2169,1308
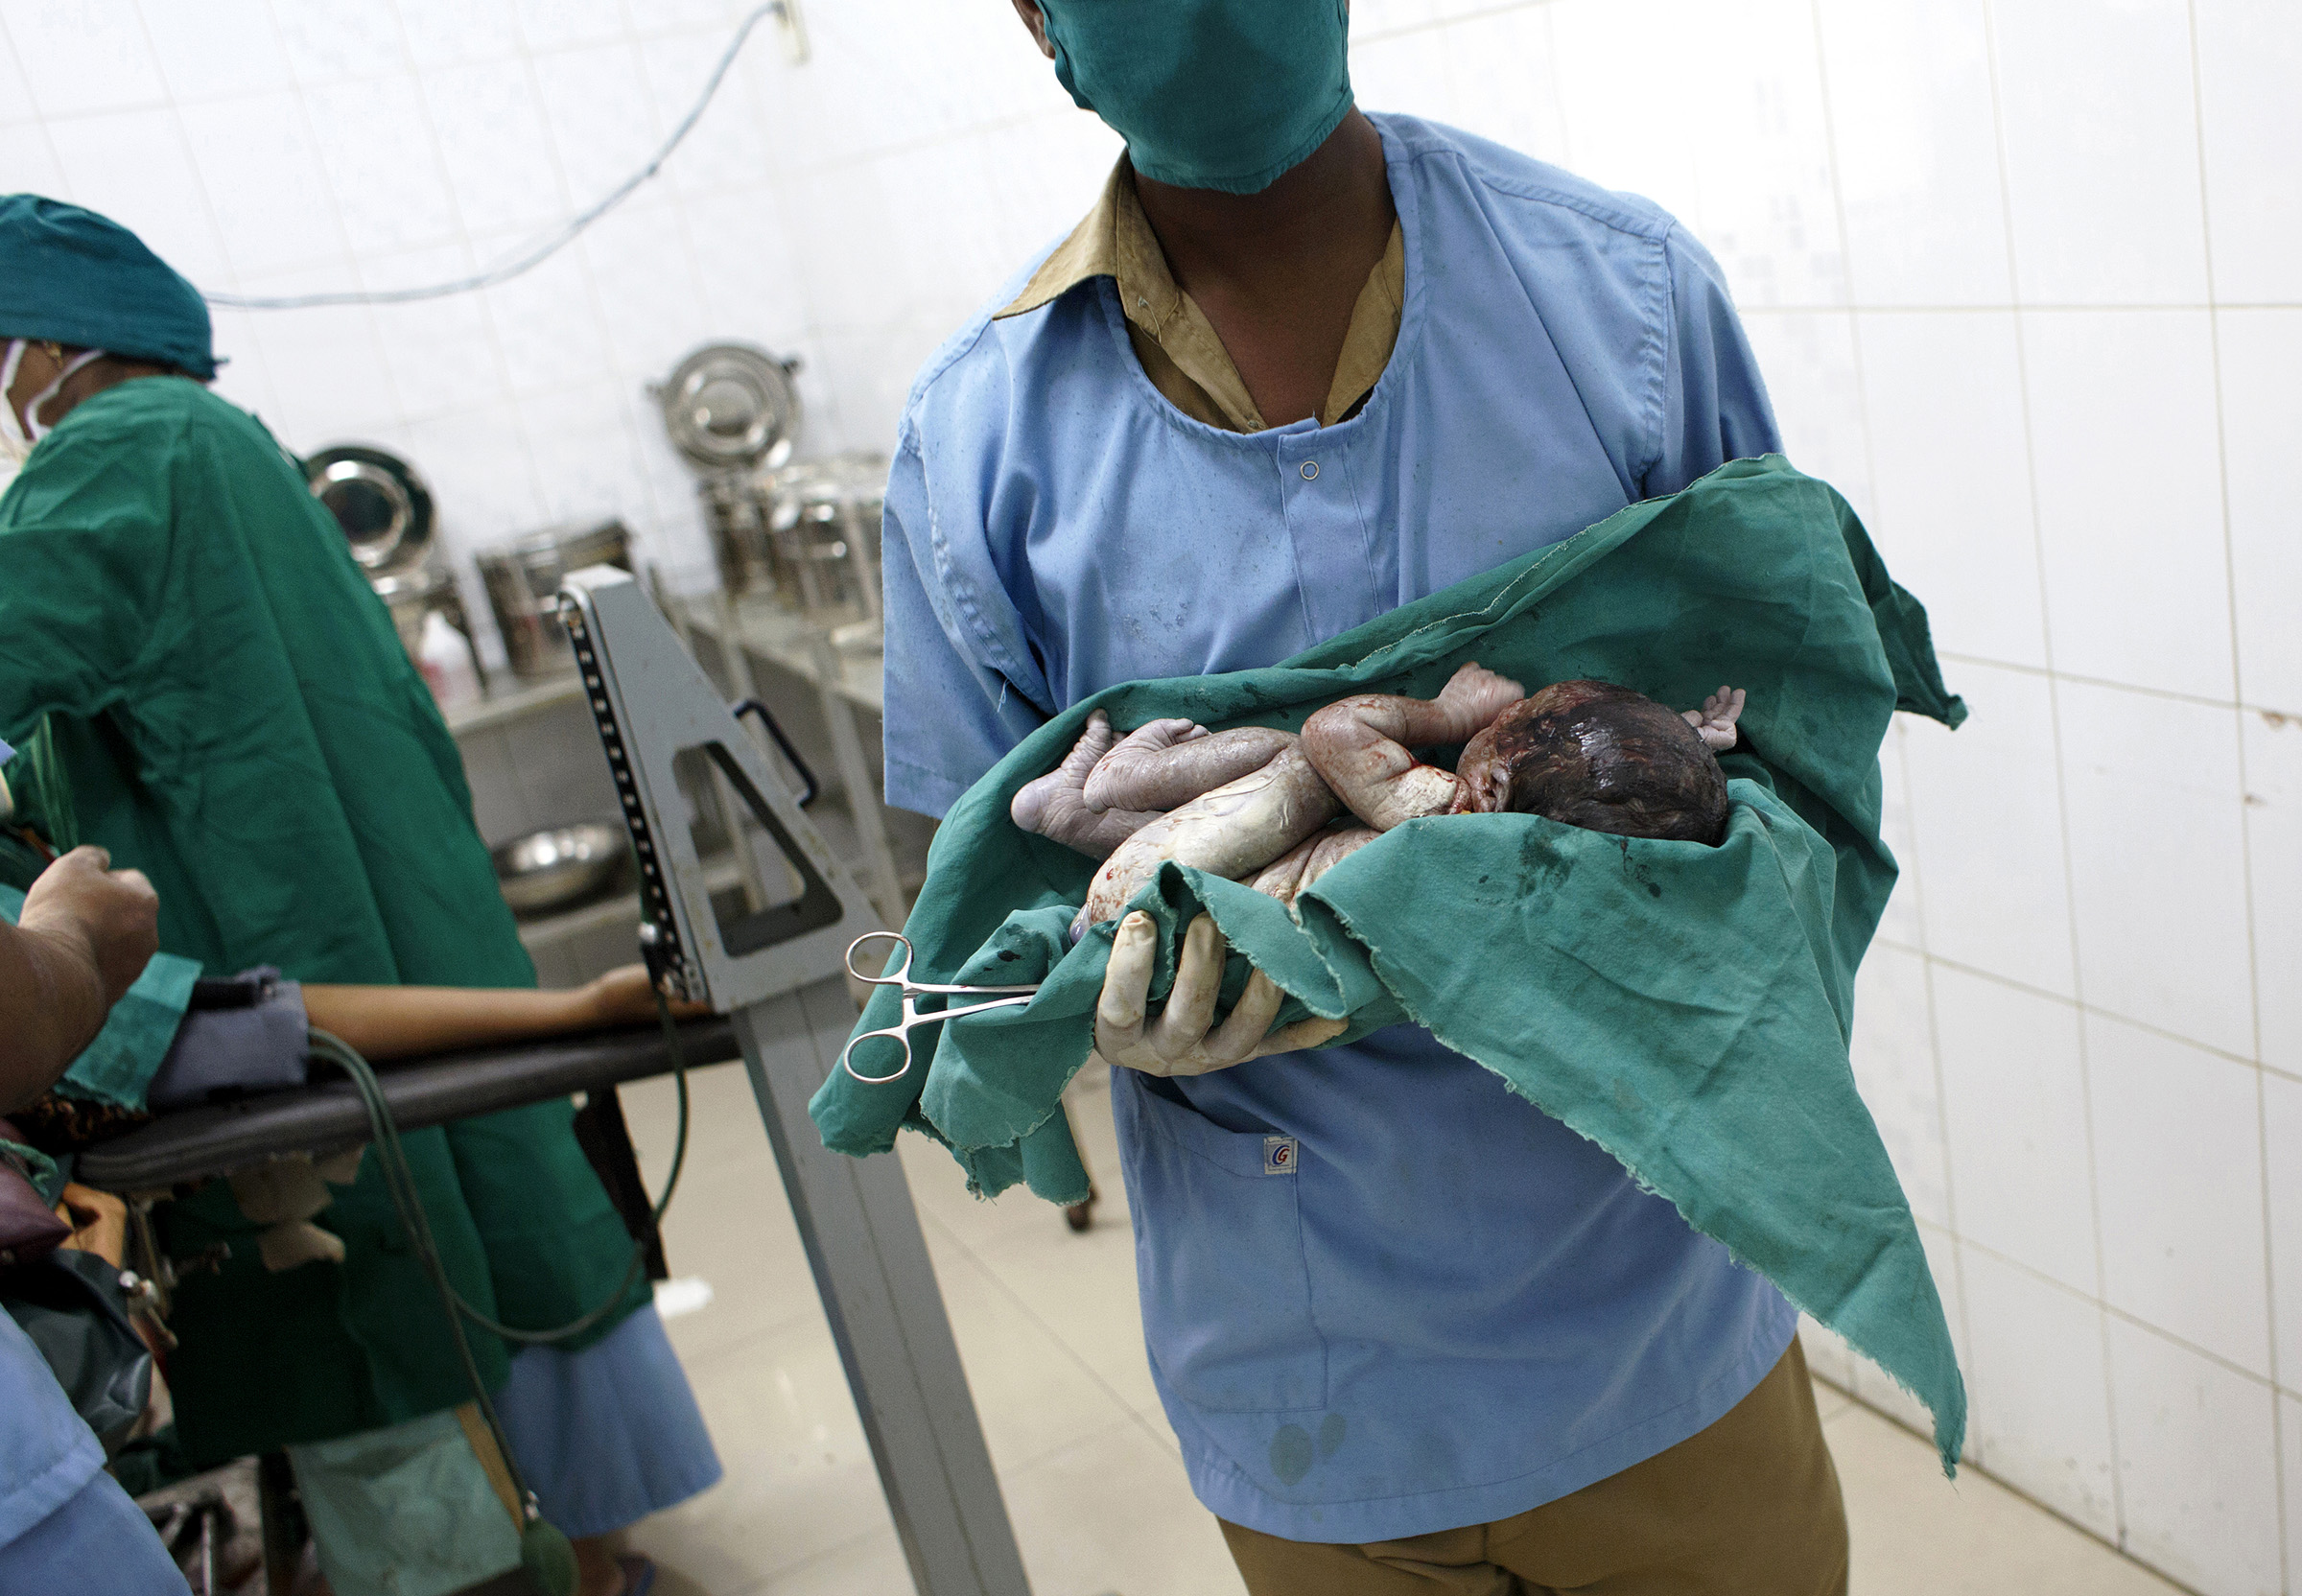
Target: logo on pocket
1278,1155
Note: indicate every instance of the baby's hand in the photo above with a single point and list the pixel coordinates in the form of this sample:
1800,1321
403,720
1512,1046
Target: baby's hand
1714,722
1479,694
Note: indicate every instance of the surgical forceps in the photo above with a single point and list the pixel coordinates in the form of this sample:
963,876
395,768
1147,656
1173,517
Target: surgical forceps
900,976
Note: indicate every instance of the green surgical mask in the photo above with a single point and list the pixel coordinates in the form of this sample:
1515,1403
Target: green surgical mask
1220,94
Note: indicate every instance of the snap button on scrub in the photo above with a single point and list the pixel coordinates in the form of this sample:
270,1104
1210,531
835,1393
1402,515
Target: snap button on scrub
1310,471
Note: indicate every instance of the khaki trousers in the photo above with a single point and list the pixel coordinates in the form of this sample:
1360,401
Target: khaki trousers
1749,1507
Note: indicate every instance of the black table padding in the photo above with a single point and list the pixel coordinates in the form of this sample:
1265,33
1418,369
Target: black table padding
325,1116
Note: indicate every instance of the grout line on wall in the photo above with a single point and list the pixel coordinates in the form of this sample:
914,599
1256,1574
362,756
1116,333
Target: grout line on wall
2065,1001
1934,1035
2197,701
462,230
2013,1487
935,140
2245,831
2112,1310
1838,211
2030,452
38,122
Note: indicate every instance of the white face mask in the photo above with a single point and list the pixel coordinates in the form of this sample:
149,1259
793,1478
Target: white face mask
15,445
17,438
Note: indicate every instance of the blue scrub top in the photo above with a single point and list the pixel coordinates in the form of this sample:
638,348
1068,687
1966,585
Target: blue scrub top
47,1453
1444,1307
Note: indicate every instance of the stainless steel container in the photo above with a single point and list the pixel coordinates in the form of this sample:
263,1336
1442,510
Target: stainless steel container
826,526
557,869
737,508
523,578
380,502
731,412
730,407
413,595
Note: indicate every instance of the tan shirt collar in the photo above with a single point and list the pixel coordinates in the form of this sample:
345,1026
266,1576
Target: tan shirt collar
1179,348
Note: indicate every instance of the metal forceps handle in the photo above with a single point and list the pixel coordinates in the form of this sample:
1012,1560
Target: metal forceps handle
899,975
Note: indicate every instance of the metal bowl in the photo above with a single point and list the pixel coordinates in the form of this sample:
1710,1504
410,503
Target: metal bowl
377,498
559,868
730,406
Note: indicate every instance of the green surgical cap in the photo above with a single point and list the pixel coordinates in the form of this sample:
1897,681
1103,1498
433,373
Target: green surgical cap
72,277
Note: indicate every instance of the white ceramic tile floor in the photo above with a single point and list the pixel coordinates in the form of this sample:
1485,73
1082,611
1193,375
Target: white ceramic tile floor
1048,1325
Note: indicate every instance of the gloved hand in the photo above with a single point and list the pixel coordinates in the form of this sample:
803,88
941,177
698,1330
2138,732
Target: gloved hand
1184,1040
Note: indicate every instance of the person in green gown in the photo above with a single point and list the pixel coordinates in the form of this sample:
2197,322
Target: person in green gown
206,685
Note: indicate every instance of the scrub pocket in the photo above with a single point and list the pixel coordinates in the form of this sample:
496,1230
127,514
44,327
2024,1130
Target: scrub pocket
1219,1255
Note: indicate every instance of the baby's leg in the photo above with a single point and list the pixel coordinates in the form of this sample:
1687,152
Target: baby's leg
1053,806
1714,722
1169,763
1232,831
1361,744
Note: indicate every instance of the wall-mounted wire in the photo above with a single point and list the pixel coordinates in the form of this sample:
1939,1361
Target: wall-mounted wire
536,252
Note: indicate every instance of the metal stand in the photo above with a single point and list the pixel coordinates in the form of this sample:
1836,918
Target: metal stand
776,972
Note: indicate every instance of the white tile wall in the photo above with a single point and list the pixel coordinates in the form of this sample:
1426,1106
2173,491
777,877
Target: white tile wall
2099,143
2282,1146
2261,417
1917,162
2198,1465
2026,278
1987,817
2099,379
2157,856
1940,388
1894,1065
2020,1160
2177,1146
2040,1389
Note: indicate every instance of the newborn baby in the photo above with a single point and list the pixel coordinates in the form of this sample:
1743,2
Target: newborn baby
1584,753
1255,804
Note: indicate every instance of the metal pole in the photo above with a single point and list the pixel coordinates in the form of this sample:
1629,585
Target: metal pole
870,1267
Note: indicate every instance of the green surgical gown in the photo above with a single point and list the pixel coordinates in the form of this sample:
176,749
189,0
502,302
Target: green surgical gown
228,708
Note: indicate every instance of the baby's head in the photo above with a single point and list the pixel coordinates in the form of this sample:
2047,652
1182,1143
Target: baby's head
1598,756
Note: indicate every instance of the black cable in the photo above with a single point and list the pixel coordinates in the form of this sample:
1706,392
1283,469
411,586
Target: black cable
543,1547
385,1134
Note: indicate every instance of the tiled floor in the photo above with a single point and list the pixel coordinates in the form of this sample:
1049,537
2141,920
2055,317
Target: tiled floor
1048,1324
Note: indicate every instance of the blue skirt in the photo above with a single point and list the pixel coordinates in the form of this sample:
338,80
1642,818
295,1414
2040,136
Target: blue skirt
608,1435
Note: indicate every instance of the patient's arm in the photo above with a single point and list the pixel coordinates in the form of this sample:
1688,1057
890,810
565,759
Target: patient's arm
1361,744
406,1021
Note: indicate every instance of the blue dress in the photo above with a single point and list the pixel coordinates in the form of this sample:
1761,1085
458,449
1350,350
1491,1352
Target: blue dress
1456,1309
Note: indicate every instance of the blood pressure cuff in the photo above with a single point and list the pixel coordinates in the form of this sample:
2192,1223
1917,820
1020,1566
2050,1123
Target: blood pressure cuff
246,1034
1688,1007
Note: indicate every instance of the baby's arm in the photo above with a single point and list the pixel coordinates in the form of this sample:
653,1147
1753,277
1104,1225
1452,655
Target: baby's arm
1361,744
1288,875
1714,722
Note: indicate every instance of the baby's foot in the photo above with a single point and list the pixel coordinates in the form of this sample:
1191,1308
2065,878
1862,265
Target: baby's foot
1714,722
